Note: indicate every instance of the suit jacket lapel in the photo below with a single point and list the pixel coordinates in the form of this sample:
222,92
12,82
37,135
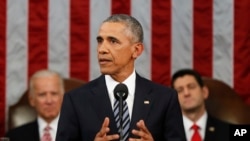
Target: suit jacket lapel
210,130
142,101
102,104
35,136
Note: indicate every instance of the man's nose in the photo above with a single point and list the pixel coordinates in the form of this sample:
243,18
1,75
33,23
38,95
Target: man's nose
186,91
49,98
102,48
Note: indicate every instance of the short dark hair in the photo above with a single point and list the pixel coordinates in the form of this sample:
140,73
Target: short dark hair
183,72
133,25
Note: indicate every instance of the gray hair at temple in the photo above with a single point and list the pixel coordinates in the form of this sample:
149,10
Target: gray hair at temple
131,23
45,73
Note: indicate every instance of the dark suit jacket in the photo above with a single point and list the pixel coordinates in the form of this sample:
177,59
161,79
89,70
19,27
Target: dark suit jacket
84,110
217,130
27,132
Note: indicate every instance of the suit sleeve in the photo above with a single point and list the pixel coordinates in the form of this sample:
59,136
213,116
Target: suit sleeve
68,126
174,129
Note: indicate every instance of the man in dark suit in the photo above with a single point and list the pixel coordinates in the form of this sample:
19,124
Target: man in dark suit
154,110
192,94
46,92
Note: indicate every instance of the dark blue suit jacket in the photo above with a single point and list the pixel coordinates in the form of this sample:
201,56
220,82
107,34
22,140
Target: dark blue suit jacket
84,110
217,130
27,132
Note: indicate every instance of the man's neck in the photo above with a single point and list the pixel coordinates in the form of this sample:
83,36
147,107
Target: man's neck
122,76
194,116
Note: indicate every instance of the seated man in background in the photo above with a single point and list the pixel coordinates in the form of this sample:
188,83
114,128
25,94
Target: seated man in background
199,125
46,90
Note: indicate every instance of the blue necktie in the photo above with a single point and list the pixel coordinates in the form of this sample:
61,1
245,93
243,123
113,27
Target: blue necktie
125,120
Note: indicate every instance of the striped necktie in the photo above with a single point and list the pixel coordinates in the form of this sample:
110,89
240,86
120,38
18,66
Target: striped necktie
125,120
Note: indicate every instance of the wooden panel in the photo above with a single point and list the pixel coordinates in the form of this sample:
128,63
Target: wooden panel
224,103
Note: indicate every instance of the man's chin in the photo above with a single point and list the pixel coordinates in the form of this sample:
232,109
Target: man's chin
50,115
105,72
50,118
191,109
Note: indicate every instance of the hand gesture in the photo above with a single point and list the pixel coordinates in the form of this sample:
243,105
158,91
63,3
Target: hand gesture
143,132
102,134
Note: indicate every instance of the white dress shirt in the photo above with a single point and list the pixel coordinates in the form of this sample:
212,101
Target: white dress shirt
53,125
130,82
201,123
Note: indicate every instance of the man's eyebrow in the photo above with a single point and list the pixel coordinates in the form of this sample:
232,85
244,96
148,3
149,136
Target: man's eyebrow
99,38
108,38
112,38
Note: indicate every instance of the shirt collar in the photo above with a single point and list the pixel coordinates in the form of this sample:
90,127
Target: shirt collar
129,82
201,122
42,124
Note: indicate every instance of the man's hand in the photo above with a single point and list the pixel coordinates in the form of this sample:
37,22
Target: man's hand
102,134
143,132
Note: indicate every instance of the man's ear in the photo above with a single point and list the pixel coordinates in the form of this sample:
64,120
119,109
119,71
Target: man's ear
137,50
205,91
31,100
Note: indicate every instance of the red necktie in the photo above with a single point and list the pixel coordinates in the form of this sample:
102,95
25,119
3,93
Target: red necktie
46,136
196,136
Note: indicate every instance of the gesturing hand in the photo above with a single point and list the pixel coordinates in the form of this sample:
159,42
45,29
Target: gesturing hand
143,132
102,134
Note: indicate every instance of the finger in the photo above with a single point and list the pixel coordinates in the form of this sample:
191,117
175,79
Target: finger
139,133
105,122
134,139
131,139
143,131
141,125
102,134
112,137
104,129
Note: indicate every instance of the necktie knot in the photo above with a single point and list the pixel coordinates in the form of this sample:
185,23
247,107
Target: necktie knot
47,128
195,127
196,136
